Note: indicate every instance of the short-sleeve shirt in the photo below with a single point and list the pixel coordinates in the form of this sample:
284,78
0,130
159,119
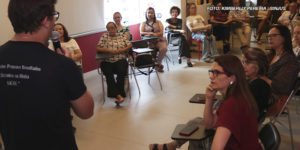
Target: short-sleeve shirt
287,17
71,45
239,14
236,115
196,21
115,43
124,30
178,23
36,87
219,16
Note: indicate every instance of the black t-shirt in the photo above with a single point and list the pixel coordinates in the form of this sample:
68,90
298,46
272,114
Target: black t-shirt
36,88
261,92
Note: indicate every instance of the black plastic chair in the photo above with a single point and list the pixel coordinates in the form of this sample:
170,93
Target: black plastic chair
141,47
270,137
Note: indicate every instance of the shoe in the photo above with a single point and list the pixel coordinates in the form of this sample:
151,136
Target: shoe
255,36
226,48
258,42
189,64
207,59
244,47
179,60
159,68
119,99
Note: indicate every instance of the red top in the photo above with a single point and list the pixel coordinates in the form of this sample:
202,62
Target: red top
236,115
219,15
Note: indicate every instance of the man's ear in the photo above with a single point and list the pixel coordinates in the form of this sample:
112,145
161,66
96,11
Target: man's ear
46,22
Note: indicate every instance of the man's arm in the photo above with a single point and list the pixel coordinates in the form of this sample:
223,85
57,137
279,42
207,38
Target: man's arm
83,106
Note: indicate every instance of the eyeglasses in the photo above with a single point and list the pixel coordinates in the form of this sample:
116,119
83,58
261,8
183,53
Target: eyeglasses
56,15
247,62
272,35
215,73
296,32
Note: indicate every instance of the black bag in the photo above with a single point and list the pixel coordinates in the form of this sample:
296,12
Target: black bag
143,60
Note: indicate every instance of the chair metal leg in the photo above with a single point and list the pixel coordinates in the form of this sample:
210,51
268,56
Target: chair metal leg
128,87
290,129
159,80
171,59
103,91
167,62
149,75
199,50
137,84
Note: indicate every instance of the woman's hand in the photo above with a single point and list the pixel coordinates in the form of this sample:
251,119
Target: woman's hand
210,93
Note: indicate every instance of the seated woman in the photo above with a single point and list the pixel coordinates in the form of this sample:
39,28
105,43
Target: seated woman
283,65
69,43
221,28
262,17
122,29
117,45
201,31
154,28
235,120
174,25
256,65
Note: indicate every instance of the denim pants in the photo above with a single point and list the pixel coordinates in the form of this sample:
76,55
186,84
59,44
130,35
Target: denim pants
209,44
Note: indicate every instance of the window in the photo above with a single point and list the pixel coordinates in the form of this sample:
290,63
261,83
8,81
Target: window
133,11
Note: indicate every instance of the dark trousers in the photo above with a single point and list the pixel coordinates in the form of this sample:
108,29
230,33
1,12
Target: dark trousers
221,32
115,87
184,49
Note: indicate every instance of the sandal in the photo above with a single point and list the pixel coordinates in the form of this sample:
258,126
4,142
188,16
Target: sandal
155,147
159,68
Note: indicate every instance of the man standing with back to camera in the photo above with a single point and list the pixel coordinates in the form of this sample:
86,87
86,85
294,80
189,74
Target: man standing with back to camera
38,87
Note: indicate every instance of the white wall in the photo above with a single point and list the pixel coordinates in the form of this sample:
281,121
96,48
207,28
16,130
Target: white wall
81,15
6,30
77,15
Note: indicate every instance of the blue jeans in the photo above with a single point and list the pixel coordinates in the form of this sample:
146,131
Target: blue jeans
209,44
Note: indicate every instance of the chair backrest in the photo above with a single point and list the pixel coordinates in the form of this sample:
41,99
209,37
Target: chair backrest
292,94
270,137
140,44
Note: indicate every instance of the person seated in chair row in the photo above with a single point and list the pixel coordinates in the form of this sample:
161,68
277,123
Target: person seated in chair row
201,30
289,18
235,119
117,45
174,27
297,40
154,28
240,23
262,17
220,21
122,29
283,65
255,63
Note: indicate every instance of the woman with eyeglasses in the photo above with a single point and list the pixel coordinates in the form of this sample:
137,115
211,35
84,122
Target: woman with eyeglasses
69,43
256,65
154,28
115,45
122,29
283,65
235,119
